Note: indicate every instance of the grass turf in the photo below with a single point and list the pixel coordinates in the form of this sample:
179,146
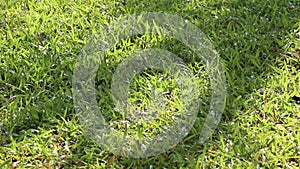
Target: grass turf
258,42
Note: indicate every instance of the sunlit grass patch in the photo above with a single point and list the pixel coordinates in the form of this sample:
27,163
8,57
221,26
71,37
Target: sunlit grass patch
258,42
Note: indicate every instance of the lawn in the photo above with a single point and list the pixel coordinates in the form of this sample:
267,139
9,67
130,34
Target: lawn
259,46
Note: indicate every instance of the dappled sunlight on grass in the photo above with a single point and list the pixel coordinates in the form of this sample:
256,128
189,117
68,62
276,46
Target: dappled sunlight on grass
258,42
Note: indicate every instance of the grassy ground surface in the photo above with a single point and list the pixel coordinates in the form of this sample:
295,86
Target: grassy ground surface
258,41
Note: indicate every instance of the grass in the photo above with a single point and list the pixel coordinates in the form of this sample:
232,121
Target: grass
258,42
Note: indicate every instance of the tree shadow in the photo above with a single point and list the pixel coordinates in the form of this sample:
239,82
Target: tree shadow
250,43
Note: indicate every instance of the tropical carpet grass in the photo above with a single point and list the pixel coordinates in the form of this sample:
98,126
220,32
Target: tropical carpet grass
259,45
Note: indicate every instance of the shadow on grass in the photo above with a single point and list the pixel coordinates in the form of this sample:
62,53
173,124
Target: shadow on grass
250,38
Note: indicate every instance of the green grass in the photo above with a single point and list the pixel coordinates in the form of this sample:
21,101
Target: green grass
258,41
